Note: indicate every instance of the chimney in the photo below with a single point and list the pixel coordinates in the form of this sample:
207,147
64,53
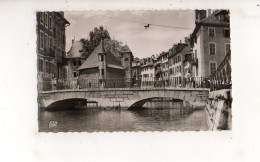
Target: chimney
180,41
73,40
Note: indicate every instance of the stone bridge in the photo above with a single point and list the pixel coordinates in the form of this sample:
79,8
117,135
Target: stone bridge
124,97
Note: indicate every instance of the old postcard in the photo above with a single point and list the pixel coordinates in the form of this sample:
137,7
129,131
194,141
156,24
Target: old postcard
134,70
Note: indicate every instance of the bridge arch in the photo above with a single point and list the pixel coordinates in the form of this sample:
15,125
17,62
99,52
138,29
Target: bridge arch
68,103
124,97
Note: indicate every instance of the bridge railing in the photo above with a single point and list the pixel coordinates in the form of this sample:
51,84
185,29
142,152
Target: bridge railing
221,78
142,83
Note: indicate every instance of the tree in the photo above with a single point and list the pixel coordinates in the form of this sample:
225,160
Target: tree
95,37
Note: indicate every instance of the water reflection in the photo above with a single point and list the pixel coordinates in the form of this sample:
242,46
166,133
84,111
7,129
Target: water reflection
155,116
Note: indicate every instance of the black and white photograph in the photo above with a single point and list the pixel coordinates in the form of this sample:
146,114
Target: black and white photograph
143,70
129,81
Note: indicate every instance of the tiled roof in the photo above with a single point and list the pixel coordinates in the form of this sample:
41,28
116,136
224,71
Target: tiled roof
75,50
92,60
213,19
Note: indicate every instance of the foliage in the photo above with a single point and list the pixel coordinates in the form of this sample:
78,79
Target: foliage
95,37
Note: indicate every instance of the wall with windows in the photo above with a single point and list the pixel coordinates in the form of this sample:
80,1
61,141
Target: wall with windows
215,46
50,45
175,68
147,73
211,45
71,68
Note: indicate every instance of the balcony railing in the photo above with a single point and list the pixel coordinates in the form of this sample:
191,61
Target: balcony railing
221,78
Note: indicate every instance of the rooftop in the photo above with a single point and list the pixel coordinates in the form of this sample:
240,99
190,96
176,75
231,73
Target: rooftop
92,60
75,50
214,19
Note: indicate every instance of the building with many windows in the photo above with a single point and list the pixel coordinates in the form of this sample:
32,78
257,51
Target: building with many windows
177,60
51,42
147,73
210,41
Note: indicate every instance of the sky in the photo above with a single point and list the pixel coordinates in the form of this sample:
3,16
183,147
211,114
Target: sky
128,27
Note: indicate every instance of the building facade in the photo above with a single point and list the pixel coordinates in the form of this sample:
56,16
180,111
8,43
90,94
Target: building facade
105,70
210,41
136,69
51,41
74,60
147,73
176,64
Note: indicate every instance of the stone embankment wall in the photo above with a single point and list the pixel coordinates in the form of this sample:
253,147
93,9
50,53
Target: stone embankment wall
218,110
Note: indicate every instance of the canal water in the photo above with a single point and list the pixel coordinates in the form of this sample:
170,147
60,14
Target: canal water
154,116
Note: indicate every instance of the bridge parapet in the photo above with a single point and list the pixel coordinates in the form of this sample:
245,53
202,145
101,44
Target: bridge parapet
125,97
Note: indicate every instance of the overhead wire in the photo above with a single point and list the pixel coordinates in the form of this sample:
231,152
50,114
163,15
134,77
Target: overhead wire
176,27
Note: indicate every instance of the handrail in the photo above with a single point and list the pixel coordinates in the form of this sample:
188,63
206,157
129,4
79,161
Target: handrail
221,78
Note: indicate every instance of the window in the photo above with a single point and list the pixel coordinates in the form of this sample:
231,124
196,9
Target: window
50,43
41,39
63,39
227,33
54,32
212,32
64,73
195,53
45,41
102,72
41,17
213,67
41,65
126,59
50,68
212,49
151,75
46,20
102,57
227,48
75,74
50,23
79,63
54,50
74,63
46,66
